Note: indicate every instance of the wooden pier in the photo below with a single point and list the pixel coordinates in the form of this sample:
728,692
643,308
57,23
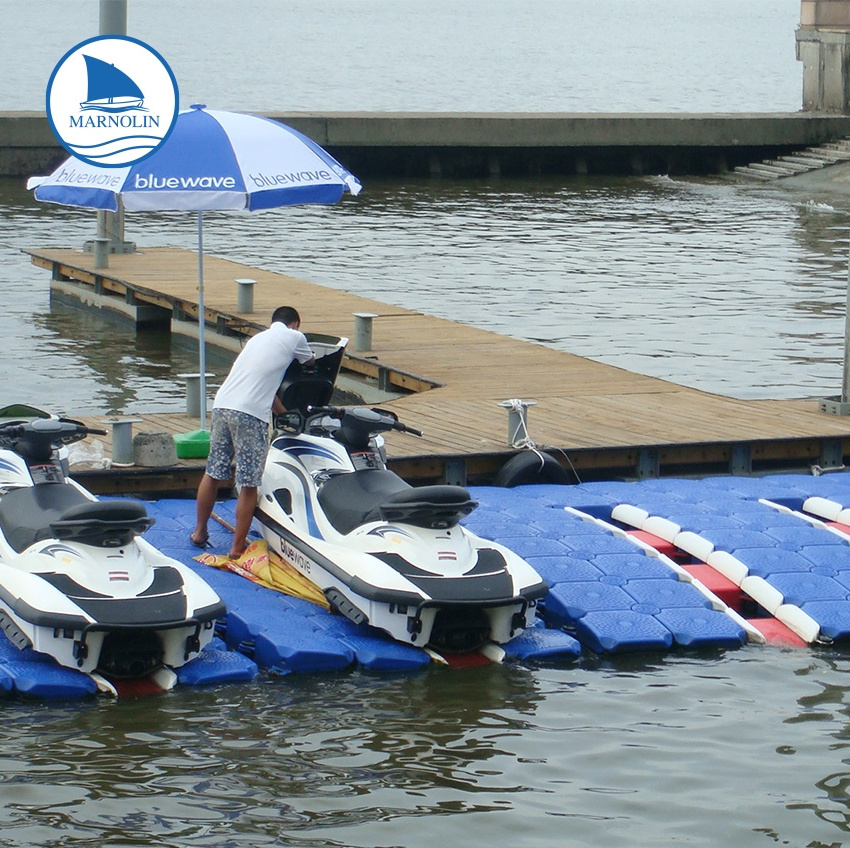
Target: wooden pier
600,421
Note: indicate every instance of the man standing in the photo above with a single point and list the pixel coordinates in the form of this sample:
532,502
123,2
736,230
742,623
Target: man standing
240,419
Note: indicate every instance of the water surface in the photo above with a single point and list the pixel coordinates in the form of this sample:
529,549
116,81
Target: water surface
468,56
733,289
747,748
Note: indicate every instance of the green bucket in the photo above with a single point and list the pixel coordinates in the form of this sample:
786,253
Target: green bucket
194,445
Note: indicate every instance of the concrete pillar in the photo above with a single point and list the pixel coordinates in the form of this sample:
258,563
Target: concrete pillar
823,46
113,17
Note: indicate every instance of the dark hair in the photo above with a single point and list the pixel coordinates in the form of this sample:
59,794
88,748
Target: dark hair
286,315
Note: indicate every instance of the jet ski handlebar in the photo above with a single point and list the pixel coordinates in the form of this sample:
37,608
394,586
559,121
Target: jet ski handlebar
374,420
46,433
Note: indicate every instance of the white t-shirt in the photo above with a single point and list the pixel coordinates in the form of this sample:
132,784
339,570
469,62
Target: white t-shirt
256,374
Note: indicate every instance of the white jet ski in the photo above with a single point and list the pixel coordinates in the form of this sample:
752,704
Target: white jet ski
77,581
384,552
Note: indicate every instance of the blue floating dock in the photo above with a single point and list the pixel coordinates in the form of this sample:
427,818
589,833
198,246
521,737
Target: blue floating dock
608,594
611,591
792,561
27,672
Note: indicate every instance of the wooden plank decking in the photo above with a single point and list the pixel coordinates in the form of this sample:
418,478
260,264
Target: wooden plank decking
606,419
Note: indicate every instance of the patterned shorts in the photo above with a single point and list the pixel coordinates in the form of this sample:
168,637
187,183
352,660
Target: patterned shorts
237,436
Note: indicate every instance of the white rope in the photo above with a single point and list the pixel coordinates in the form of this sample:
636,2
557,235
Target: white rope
519,441
520,437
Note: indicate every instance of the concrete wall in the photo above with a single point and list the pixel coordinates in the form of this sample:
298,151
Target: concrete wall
474,145
27,144
824,13
823,46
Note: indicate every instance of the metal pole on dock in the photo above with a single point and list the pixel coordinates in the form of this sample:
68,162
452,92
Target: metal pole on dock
202,353
113,17
840,404
845,382
113,21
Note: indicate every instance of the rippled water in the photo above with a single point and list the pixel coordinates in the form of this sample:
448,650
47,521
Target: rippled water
744,749
738,290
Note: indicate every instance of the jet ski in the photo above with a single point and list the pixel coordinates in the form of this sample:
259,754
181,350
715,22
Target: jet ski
77,580
384,553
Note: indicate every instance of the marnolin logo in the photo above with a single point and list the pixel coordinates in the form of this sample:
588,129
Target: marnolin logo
112,100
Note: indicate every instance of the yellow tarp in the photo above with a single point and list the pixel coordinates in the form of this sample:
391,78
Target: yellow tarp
267,568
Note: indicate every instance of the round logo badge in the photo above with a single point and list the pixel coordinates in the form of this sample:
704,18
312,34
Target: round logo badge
112,100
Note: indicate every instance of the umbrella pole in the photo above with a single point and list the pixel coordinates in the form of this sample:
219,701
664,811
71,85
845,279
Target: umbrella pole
845,382
202,353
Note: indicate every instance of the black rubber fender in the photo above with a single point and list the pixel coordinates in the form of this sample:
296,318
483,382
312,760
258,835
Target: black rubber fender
530,467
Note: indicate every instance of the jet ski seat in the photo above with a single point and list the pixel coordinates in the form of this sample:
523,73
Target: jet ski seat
349,500
103,524
61,511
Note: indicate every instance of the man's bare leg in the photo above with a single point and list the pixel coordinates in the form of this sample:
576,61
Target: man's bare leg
205,503
246,503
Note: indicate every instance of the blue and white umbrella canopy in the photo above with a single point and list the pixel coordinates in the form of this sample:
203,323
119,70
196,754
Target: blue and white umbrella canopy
212,160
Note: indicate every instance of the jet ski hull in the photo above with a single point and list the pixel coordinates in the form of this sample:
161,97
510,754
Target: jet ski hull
451,618
77,581
366,541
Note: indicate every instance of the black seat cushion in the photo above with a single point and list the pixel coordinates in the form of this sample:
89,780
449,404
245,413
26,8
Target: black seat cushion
347,499
27,513
350,500
61,511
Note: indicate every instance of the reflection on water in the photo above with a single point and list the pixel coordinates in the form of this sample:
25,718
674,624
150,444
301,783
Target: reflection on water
289,763
827,709
738,290
741,748
107,349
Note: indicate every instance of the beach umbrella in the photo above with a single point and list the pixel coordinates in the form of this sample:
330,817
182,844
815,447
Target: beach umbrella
212,160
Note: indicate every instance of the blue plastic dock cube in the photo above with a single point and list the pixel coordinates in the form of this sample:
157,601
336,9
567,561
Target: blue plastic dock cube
542,644
835,556
615,631
763,562
560,569
283,648
695,628
799,588
665,594
832,616
795,539
568,602
733,540
636,566
587,545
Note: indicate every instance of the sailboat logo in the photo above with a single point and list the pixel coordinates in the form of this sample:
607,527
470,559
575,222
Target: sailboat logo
110,89
112,101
